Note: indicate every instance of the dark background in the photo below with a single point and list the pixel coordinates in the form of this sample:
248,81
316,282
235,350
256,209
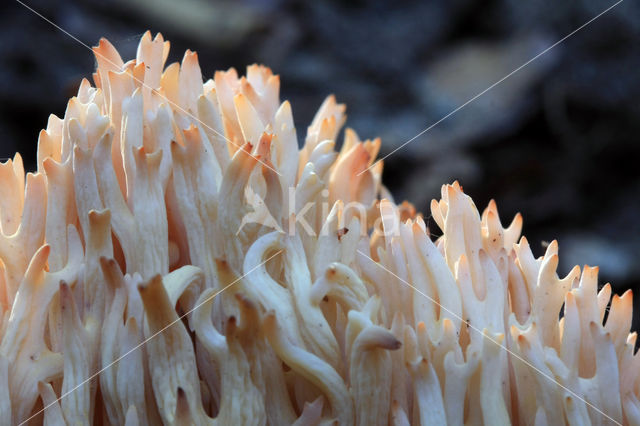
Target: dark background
557,141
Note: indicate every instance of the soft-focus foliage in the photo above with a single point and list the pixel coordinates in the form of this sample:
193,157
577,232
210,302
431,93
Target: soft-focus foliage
135,217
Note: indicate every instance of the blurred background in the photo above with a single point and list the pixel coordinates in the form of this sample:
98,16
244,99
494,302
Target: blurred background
557,141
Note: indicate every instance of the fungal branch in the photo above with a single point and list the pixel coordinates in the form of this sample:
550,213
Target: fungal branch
177,259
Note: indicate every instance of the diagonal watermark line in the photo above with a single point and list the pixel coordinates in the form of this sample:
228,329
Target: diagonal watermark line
468,324
494,84
139,345
146,85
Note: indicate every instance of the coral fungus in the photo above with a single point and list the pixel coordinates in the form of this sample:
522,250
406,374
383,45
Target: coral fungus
177,259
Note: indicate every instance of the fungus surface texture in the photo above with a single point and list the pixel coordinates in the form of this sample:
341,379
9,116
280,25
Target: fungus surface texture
178,259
